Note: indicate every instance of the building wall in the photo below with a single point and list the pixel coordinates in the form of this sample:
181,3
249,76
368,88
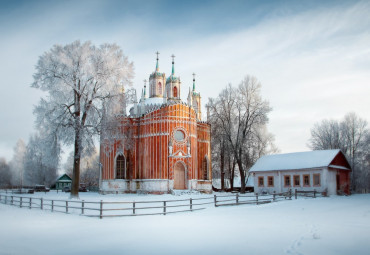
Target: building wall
327,181
152,151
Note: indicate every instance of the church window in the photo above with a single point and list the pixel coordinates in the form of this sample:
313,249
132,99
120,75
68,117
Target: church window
205,169
179,136
120,167
175,92
159,88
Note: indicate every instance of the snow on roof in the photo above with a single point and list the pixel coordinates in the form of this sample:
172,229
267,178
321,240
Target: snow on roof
297,160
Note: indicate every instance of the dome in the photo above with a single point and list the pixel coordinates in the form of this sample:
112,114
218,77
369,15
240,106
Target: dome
172,78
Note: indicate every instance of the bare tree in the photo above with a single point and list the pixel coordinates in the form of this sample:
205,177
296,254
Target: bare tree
17,163
42,158
349,135
240,112
79,78
90,170
5,174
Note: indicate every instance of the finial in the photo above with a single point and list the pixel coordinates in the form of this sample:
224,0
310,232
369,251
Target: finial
193,81
173,64
145,87
157,66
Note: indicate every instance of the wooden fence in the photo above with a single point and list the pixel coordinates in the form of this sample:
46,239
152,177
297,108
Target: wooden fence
313,193
237,199
103,209
108,209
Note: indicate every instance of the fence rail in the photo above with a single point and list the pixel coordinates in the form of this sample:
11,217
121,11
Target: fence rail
237,199
103,209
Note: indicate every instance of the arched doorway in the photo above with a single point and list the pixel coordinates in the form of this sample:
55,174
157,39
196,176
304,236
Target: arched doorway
179,176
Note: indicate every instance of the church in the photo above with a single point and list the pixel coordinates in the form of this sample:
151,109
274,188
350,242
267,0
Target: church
161,145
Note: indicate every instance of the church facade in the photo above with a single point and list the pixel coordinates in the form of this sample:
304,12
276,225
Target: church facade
162,145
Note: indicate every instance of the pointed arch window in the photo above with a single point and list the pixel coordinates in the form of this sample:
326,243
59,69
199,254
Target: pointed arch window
159,88
120,167
174,91
205,168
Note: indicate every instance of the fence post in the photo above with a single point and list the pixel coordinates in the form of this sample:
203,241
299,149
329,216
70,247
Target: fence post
314,193
133,207
237,198
257,198
191,204
274,196
290,194
20,202
82,206
215,199
164,207
41,203
0,197
52,205
12,200
6,199
30,203
101,209
295,194
66,206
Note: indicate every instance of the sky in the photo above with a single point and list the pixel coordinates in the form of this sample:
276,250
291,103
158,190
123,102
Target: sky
311,57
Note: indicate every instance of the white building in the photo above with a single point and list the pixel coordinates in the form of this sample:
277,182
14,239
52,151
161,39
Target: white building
323,171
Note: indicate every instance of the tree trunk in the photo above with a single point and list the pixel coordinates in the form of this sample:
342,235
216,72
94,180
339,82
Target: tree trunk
242,176
76,167
222,165
77,152
232,175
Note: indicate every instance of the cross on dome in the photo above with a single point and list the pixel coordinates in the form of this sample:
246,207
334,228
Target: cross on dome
173,64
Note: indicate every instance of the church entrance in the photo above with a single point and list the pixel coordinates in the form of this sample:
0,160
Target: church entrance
179,176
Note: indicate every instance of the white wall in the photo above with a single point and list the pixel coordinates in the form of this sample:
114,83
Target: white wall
150,186
328,181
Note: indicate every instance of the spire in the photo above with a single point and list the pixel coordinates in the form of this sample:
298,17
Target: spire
145,88
193,81
173,64
157,66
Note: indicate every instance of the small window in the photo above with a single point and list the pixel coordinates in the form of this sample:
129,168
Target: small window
316,180
205,169
306,180
287,180
270,181
159,88
120,167
260,181
175,92
296,180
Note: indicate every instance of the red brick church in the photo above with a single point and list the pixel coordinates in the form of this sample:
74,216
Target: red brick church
161,145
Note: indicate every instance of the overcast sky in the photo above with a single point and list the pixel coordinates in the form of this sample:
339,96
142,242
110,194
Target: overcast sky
312,57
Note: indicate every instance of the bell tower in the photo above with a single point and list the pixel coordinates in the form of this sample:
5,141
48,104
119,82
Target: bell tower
194,100
173,84
157,82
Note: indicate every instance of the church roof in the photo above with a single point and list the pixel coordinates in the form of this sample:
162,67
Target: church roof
295,161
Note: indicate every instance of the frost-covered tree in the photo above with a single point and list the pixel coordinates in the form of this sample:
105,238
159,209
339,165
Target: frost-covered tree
5,174
90,170
79,79
351,135
240,113
42,158
17,163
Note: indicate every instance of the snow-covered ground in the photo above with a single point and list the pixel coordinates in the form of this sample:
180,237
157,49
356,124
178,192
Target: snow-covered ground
334,225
